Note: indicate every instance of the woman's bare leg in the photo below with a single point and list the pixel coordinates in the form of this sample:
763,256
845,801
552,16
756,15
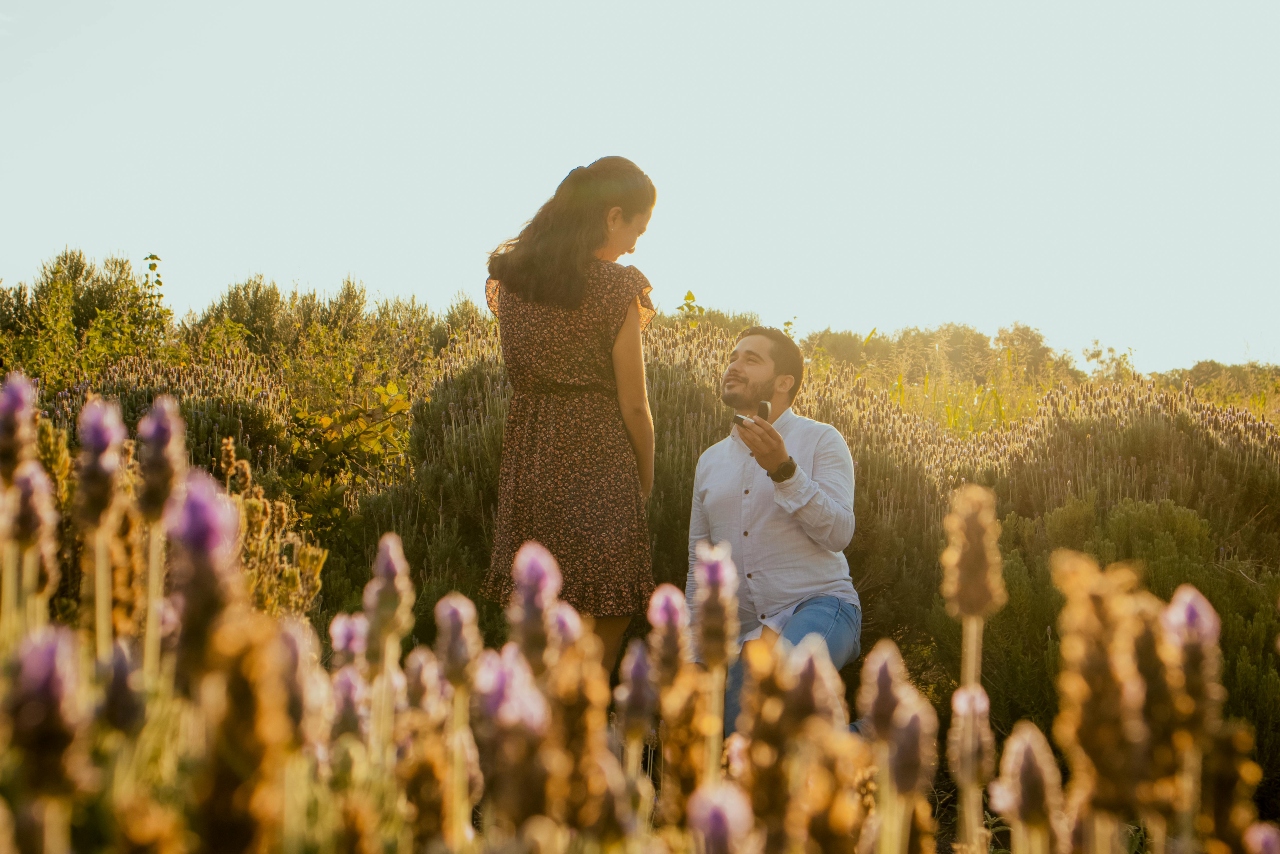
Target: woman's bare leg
611,630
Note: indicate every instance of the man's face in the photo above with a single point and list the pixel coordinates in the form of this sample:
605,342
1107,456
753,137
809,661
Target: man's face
749,377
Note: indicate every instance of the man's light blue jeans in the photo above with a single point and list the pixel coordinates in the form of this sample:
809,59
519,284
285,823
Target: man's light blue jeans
839,623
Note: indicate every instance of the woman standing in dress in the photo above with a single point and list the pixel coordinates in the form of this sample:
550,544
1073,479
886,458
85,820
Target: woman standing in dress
577,456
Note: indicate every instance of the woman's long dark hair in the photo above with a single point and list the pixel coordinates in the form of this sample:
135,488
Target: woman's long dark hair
548,261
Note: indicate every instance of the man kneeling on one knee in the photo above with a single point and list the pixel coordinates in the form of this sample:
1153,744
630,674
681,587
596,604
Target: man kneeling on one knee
779,491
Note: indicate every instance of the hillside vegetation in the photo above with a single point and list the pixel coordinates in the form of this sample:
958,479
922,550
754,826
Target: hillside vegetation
366,417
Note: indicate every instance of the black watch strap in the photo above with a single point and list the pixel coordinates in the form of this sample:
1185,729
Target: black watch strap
784,471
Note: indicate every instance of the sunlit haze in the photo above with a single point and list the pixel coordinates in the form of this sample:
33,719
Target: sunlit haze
1096,170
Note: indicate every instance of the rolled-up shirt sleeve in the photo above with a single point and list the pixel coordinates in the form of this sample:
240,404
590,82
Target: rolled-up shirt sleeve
822,500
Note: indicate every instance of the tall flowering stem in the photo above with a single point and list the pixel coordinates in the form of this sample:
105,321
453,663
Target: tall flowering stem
457,646
162,460
17,444
388,607
636,699
206,579
1028,793
884,688
717,636
912,758
1099,724
1193,627
973,587
102,434
32,524
537,586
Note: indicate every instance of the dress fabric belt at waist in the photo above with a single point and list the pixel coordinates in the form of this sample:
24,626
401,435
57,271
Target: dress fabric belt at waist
551,389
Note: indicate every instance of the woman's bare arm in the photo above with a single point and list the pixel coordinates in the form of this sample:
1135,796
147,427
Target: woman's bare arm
633,398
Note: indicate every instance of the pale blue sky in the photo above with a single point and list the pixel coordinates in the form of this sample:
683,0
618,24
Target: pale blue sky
1094,169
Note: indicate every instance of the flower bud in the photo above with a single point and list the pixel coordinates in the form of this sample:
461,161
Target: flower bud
457,638
101,435
35,517
972,582
1193,627
537,584
350,636
350,703
388,598
913,744
506,693
162,456
817,688
884,683
123,707
566,625
721,816
636,697
717,604
669,638
971,746
44,710
204,533
17,425
1029,789
425,686
1262,838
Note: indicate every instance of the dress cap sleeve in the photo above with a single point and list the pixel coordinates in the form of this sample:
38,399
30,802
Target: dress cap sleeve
632,284
491,287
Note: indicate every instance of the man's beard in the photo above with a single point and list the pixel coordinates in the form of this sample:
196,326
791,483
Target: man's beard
748,395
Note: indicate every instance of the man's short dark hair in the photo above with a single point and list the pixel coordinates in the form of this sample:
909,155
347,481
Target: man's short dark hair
787,358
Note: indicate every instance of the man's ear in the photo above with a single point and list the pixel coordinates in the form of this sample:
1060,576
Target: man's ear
785,383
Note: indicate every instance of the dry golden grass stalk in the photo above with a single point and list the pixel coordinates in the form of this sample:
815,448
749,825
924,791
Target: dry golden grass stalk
972,582
1028,792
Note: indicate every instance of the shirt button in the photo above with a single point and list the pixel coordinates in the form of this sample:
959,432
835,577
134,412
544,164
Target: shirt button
762,616
746,533
746,492
748,575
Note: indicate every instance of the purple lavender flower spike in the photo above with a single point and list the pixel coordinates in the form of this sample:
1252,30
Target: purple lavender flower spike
388,599
162,456
1189,618
537,576
422,678
716,629
506,691
721,815
667,609
669,639
350,694
207,524
122,707
636,697
101,433
17,424
1262,838
715,570
205,534
35,516
457,638
566,623
44,709
490,682
350,635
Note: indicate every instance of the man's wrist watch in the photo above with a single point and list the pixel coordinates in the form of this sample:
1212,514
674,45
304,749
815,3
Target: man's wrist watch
784,471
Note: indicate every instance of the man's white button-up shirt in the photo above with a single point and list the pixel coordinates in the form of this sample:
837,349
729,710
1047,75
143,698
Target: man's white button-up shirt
787,539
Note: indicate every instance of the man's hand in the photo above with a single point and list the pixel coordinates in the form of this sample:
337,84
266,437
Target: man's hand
765,443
